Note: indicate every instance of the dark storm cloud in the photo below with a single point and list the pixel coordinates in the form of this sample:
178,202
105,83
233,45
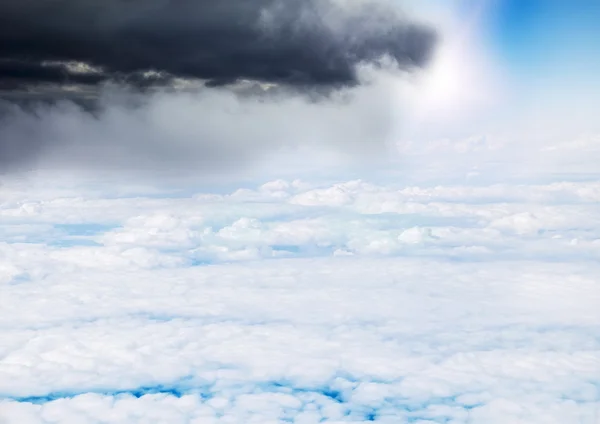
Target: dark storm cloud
293,42
97,84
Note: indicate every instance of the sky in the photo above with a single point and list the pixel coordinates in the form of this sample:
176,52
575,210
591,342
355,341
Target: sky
551,50
546,32
316,211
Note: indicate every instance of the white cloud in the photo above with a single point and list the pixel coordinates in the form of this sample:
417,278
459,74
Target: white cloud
457,283
300,302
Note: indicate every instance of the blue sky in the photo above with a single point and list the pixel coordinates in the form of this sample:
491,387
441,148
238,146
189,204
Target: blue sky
546,35
533,34
524,67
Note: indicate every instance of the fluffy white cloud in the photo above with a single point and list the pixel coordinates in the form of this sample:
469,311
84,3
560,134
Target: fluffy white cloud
300,302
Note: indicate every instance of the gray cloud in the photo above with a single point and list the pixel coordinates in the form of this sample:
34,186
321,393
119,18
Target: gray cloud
93,84
293,42
212,130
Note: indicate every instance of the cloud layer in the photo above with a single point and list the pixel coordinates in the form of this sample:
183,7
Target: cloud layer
300,302
295,42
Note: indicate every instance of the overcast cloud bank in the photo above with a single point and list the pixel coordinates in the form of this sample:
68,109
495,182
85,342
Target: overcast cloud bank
298,301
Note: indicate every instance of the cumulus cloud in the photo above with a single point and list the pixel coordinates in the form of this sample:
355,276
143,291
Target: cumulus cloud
464,292
303,340
299,301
